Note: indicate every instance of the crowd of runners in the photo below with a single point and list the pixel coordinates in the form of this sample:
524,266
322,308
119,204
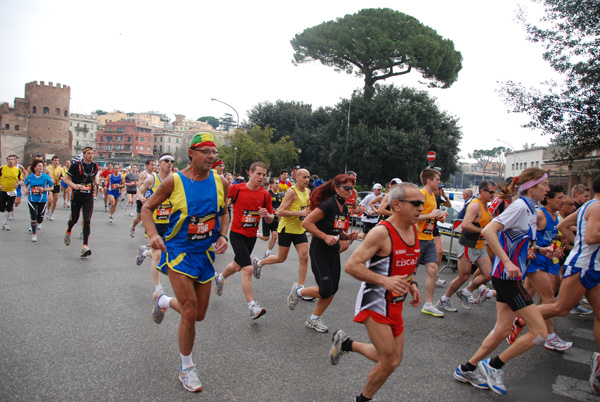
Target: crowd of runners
520,238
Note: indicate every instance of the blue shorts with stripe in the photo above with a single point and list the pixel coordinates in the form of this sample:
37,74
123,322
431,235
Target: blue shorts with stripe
198,266
589,278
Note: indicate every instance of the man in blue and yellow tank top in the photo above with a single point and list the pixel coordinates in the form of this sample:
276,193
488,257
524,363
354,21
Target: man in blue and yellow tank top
197,221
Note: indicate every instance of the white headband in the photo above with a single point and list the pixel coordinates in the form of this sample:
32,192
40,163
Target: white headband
532,183
166,158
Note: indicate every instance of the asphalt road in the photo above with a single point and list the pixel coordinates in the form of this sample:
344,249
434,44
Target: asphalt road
75,329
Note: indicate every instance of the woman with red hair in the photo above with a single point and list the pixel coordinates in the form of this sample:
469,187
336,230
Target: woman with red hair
328,223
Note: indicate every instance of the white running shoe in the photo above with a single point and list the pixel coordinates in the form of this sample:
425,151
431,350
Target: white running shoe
555,343
293,298
256,311
431,310
139,258
189,379
157,313
131,231
439,282
446,305
85,251
5,227
219,285
336,349
34,238
316,324
256,268
595,374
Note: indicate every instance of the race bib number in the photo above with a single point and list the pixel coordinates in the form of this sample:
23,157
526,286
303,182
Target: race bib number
163,212
201,227
429,226
86,188
132,183
37,190
302,209
341,224
530,251
115,186
250,219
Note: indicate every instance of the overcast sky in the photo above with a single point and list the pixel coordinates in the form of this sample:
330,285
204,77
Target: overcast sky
173,57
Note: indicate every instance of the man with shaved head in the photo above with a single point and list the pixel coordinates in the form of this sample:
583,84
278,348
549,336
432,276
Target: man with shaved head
292,210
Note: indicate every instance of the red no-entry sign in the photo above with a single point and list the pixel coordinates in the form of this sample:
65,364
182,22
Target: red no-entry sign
431,156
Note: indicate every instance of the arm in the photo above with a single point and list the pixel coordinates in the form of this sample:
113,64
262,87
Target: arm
567,225
266,212
383,207
447,202
592,233
145,186
310,225
472,215
162,193
221,244
375,201
377,242
491,234
290,196
540,220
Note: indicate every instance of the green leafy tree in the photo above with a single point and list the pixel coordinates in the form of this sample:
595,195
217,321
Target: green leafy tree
227,121
255,145
99,112
486,156
377,44
567,111
213,121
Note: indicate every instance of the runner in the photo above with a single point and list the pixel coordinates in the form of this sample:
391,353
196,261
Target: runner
131,181
219,166
284,183
24,174
106,183
386,262
250,202
150,163
37,184
431,181
471,249
198,219
328,223
160,215
66,189
115,183
269,230
11,177
293,209
81,177
369,218
517,227
353,209
56,173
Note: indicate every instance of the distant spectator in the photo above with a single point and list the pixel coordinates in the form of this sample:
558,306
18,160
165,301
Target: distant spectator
318,181
284,183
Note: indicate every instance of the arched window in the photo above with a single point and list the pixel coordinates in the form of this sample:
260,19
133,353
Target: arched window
46,110
34,109
7,126
16,127
65,112
57,111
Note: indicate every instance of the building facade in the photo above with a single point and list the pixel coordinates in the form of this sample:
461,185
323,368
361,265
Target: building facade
126,138
83,128
37,123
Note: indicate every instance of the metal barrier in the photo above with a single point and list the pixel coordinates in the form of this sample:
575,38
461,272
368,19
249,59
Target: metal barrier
451,256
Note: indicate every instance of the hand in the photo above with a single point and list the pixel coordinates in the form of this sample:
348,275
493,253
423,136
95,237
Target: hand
221,245
416,296
353,235
397,284
436,213
331,240
305,212
157,243
512,269
263,212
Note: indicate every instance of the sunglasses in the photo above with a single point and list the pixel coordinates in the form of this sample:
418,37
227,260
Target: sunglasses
415,203
347,188
491,192
206,151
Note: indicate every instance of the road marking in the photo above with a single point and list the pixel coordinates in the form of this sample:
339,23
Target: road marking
583,333
573,388
578,355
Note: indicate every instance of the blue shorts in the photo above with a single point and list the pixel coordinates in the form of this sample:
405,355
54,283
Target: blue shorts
541,263
114,193
588,278
18,191
63,184
428,252
198,266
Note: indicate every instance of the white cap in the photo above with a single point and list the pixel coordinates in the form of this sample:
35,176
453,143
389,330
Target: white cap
377,186
396,181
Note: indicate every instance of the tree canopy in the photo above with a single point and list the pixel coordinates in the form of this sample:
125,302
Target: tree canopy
568,111
377,44
486,156
389,135
213,121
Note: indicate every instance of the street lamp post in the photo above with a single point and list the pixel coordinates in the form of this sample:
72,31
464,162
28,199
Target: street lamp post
236,128
514,155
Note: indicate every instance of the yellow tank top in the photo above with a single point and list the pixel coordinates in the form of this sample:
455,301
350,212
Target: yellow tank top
163,211
293,224
486,218
9,178
427,227
55,173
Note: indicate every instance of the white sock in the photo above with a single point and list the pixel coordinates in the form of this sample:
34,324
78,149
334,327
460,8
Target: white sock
251,304
221,278
258,263
427,305
445,298
299,292
550,336
186,361
6,215
164,302
466,292
157,287
314,317
145,253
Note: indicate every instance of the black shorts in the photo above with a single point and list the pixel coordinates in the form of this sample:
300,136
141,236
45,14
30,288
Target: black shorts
138,206
132,191
512,293
436,232
286,239
56,189
242,248
7,202
267,228
161,228
367,226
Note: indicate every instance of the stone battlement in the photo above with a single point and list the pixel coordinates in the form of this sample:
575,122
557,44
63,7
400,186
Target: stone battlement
50,85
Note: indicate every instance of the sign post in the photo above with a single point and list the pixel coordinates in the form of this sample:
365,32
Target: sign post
431,157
